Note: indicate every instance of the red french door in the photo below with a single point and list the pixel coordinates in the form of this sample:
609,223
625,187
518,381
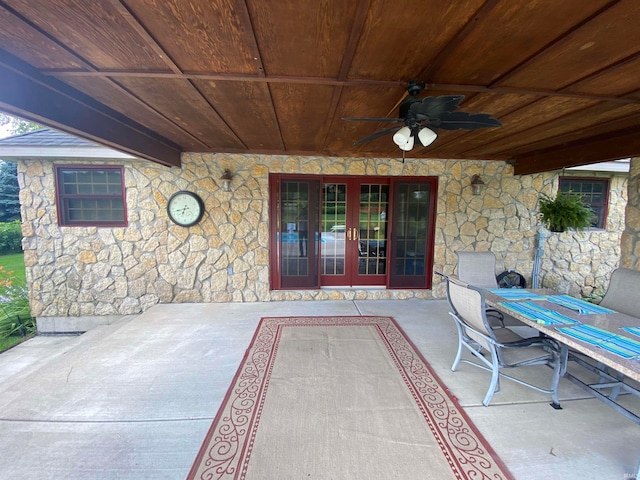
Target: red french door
354,218
295,257
352,231
413,231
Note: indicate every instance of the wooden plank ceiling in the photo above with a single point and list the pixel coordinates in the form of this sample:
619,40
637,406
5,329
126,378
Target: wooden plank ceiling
159,77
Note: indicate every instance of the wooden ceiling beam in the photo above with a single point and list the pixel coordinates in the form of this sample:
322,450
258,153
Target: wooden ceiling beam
347,61
621,144
261,72
91,68
135,23
603,71
524,64
231,77
27,94
463,33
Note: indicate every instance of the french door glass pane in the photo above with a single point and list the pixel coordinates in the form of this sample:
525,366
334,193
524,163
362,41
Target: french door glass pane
372,245
334,214
411,224
294,228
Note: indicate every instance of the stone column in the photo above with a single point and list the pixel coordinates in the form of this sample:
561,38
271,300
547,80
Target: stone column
630,242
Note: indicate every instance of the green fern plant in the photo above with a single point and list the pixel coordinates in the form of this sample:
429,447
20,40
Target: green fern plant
564,212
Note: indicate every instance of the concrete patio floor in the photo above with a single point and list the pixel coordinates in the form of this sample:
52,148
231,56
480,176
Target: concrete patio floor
134,400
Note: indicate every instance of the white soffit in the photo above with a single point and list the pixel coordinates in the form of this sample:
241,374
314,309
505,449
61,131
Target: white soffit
616,166
14,152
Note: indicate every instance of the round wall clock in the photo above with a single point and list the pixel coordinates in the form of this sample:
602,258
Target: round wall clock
185,208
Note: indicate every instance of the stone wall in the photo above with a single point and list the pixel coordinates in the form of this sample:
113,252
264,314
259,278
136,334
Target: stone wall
630,255
581,263
76,272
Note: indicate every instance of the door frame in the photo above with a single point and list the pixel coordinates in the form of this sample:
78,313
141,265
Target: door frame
352,277
407,283
274,202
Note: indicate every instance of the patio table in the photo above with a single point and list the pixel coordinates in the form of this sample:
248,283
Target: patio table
585,331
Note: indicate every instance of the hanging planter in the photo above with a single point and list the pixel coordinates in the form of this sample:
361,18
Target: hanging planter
564,212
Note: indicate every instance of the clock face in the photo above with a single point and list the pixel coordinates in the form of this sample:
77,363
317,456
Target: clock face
185,208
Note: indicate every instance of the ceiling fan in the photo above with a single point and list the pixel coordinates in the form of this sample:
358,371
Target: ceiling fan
422,117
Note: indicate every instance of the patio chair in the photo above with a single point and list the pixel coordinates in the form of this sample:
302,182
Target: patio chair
498,349
479,269
622,295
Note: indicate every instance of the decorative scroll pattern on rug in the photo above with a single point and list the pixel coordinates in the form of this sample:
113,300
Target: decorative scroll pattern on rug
228,448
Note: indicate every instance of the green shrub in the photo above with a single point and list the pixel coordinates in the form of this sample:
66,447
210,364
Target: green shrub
10,237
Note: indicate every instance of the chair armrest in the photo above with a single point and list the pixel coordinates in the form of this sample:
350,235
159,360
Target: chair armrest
525,342
531,341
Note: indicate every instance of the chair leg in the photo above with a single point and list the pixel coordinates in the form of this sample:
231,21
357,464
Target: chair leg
495,379
564,358
559,367
493,387
456,362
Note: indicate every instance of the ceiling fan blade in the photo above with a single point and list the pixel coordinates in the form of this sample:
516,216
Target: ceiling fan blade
467,121
379,134
370,119
436,107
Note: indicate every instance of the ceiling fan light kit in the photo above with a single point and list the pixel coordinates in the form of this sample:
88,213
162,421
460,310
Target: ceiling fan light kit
403,139
422,117
427,136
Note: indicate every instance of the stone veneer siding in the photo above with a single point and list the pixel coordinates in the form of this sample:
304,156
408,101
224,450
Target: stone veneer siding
79,272
580,263
630,255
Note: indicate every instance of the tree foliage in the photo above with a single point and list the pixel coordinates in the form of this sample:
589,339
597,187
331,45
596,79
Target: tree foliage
9,192
18,126
9,189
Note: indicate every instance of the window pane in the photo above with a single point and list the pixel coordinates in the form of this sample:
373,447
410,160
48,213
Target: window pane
594,193
70,183
87,210
91,196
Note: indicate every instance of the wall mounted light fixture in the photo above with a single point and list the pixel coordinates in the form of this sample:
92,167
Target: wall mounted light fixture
226,178
476,184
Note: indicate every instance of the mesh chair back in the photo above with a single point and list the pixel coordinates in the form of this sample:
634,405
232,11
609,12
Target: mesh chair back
469,307
622,294
477,269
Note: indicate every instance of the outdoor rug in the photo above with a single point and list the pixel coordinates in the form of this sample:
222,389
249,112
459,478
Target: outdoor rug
340,398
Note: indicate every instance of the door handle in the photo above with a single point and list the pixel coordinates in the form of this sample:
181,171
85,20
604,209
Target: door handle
352,234
349,234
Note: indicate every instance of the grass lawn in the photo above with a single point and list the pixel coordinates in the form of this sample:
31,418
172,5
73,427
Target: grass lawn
12,263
